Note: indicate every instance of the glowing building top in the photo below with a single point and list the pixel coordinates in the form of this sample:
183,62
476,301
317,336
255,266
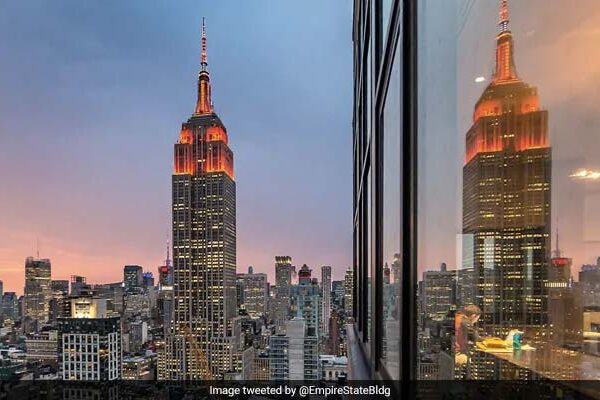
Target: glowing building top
204,104
203,142
506,97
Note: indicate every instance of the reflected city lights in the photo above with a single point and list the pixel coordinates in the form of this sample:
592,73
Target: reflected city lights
586,174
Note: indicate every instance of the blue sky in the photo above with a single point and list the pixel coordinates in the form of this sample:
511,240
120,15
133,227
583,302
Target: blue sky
93,95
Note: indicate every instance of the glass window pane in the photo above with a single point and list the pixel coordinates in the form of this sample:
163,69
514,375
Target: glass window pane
392,195
508,169
386,10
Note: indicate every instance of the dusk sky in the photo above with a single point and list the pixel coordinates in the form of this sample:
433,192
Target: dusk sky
92,98
93,95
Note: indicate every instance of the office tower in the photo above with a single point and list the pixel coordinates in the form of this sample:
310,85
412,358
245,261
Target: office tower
261,369
506,198
37,289
565,311
204,243
294,355
253,293
138,335
278,357
79,285
147,280
42,347
333,342
337,293
589,279
284,271
133,278
239,291
59,287
304,275
164,301
306,301
60,290
89,342
113,293
348,292
439,293
559,271
10,306
137,305
165,277
325,298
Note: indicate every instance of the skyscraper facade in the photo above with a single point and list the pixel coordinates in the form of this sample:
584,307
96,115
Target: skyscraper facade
132,278
204,243
506,197
325,298
89,342
254,289
37,289
348,292
438,293
284,271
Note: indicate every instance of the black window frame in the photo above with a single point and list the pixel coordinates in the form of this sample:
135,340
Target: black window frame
400,36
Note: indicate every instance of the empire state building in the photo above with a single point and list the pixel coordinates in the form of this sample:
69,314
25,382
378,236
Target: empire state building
201,344
506,198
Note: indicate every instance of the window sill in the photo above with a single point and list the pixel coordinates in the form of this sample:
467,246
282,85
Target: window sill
358,366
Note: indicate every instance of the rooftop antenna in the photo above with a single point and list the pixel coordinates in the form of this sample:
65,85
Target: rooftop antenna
168,260
203,56
504,16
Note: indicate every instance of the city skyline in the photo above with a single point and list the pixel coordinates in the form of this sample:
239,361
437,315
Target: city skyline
97,115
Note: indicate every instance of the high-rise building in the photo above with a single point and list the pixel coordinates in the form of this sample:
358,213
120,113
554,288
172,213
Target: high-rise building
89,342
254,293
10,306
164,301
79,285
147,280
337,292
42,347
306,301
60,287
325,299
204,243
284,270
439,293
348,292
294,355
565,312
60,290
37,289
506,197
133,278
589,279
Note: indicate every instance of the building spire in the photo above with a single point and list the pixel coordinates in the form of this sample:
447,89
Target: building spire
505,66
203,56
168,260
557,251
204,103
503,16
